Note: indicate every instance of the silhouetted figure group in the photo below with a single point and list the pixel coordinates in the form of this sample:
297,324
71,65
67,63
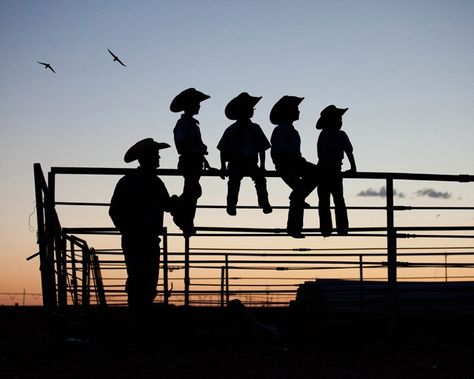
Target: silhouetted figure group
141,198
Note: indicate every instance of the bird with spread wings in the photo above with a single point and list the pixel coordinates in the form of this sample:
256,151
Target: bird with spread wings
46,66
116,59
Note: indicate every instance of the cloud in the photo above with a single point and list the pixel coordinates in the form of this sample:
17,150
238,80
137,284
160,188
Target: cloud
382,192
373,193
430,192
425,192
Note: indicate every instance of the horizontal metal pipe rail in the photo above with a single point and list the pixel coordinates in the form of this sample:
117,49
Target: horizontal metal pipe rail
239,289
390,232
272,232
461,178
353,264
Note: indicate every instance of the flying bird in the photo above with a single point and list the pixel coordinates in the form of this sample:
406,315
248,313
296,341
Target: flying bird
116,59
47,65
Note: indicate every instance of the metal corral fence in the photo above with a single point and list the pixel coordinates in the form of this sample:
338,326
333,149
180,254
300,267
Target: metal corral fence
73,273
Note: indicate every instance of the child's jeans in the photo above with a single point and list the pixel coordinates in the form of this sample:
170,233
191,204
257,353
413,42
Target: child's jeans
236,172
331,184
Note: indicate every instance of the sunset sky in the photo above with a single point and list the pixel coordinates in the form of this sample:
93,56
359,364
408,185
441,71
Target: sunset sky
405,70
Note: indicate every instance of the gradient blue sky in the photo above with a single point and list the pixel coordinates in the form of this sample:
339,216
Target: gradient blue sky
405,70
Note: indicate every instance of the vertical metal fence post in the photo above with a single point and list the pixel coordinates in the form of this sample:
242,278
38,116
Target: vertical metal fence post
50,235
46,261
85,277
99,283
446,268
166,293
55,241
74,275
186,271
61,253
222,286
227,294
361,276
391,252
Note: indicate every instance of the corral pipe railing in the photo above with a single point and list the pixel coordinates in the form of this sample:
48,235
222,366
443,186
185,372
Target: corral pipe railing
84,269
44,207
240,261
390,229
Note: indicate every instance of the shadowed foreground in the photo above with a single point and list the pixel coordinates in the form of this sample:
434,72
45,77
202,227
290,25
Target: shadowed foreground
213,343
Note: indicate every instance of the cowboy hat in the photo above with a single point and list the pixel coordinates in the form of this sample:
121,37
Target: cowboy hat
328,113
282,106
239,104
187,97
142,146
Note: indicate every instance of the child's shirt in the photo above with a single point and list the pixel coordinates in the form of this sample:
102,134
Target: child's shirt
286,145
332,144
243,141
187,136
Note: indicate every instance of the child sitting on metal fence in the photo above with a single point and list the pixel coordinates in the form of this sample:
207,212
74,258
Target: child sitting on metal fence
192,161
242,146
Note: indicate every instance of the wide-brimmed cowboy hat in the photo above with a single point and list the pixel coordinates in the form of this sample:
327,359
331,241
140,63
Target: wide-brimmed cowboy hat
143,146
329,113
187,97
282,106
240,104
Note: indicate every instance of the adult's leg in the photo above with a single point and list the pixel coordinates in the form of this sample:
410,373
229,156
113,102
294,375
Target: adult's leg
142,259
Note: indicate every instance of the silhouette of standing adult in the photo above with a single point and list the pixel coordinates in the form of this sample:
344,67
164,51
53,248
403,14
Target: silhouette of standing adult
191,150
242,145
299,174
136,209
332,144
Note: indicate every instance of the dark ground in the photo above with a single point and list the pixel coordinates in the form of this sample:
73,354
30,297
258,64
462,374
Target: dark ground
214,343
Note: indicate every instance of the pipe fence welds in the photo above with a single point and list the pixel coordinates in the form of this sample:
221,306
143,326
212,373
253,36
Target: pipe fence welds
269,274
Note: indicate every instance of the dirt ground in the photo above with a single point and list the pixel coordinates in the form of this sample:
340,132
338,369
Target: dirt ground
216,343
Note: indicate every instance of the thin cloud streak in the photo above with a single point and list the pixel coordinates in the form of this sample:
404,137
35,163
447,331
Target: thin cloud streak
382,192
425,192
430,192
